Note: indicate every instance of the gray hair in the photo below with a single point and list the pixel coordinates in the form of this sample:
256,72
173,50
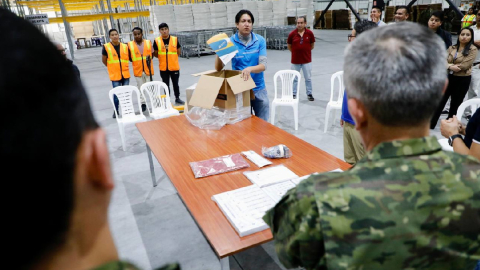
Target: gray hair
398,72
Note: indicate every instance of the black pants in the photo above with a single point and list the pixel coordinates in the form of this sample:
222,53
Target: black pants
174,75
457,89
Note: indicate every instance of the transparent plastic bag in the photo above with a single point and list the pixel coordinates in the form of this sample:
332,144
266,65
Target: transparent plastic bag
218,165
213,119
238,114
277,151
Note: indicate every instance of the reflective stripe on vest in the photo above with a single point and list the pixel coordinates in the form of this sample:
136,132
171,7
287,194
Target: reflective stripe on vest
468,20
139,63
114,60
171,56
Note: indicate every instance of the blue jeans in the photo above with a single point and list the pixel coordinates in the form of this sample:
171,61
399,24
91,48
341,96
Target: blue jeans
122,82
478,266
307,74
261,105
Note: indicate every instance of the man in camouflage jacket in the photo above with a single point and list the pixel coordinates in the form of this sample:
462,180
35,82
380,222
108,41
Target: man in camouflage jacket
407,204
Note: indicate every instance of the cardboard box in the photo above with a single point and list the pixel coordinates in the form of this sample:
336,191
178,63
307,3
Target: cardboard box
225,89
189,92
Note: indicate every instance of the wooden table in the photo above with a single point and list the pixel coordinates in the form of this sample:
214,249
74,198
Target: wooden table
175,143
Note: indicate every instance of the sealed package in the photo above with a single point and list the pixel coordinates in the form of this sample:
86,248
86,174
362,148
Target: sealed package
218,165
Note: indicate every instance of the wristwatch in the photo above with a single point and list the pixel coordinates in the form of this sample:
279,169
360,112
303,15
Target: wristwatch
450,140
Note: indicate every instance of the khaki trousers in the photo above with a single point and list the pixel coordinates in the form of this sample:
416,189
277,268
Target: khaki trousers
353,149
140,81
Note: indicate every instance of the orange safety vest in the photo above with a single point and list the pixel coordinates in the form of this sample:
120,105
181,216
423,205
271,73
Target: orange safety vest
113,63
172,54
139,61
467,20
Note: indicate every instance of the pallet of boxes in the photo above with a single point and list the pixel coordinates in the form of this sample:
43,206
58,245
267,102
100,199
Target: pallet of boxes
328,20
334,19
220,97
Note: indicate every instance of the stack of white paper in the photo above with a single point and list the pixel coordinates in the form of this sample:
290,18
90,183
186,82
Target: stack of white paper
218,15
270,175
244,208
201,16
183,17
232,9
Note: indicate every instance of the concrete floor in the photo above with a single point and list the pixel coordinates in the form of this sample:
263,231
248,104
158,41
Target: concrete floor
151,226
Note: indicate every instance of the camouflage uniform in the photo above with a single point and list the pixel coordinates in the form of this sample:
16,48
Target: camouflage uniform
406,205
119,265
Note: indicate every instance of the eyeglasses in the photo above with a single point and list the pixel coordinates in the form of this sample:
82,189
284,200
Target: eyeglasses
350,37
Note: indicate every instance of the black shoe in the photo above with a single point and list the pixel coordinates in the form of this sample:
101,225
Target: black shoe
445,112
310,97
114,115
294,96
179,101
144,107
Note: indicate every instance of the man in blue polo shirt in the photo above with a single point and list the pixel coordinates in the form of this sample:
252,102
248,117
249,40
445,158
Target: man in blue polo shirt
353,149
251,59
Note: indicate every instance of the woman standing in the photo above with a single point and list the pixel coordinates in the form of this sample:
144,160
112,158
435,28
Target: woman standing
251,59
460,59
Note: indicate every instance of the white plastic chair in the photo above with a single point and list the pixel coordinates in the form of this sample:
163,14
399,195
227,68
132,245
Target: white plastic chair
124,95
334,104
473,103
286,77
161,107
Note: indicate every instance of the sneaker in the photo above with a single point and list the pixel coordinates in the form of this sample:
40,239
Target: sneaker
179,101
144,107
114,115
294,96
445,112
310,97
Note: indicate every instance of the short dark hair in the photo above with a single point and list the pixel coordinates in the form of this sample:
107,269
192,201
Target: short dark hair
162,25
438,14
407,9
39,140
377,8
137,28
111,30
240,14
302,17
363,25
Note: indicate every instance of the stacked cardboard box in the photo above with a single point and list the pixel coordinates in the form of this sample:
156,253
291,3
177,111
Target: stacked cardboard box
342,19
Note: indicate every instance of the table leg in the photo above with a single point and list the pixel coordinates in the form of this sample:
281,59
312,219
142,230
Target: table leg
152,170
225,263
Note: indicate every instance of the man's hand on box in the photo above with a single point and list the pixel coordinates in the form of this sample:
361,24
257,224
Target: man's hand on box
246,73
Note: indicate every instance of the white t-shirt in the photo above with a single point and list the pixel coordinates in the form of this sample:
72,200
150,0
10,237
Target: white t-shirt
476,37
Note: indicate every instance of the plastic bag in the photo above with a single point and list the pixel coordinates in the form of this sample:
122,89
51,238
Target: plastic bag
214,118
238,114
277,151
218,165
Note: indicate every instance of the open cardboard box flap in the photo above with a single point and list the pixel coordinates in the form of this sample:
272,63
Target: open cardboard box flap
238,85
207,91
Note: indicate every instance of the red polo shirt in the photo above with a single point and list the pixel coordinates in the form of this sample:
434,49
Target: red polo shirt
301,49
